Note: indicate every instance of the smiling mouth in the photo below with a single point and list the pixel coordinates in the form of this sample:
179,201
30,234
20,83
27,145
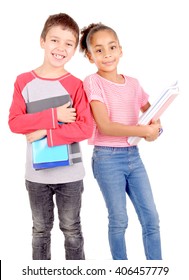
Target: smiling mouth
58,56
108,62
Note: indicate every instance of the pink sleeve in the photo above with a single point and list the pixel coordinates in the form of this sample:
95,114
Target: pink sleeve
92,88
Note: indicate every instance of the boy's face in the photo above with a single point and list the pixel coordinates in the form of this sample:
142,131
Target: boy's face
59,46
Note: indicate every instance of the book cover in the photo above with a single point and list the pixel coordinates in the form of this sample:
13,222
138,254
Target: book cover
156,109
43,155
48,157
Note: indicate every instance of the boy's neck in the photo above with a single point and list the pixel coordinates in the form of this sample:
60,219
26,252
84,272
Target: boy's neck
50,73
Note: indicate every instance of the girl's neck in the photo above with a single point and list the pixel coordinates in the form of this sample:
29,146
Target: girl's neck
113,77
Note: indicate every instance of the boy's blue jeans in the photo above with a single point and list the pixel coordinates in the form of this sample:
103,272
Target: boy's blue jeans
68,201
119,171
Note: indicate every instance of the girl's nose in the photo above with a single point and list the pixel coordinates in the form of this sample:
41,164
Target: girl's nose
107,55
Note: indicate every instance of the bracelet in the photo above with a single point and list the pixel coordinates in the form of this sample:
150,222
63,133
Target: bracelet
160,131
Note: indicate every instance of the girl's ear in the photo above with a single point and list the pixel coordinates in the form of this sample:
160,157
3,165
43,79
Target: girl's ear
89,56
121,51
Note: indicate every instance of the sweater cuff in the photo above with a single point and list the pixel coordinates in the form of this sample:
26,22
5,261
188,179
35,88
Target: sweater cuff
54,118
55,125
49,138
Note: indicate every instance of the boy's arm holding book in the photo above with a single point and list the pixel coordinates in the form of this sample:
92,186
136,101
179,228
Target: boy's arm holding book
22,122
78,127
65,114
78,130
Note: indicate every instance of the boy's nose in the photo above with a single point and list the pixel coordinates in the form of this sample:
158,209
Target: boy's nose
61,47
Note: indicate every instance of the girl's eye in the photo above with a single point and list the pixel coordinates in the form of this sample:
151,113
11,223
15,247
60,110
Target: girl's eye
113,47
54,40
99,51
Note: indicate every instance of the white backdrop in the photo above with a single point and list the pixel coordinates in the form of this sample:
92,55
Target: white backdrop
154,37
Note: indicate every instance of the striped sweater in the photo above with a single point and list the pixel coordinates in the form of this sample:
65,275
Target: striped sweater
34,107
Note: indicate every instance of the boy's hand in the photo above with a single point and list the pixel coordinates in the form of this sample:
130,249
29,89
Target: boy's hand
153,132
66,114
36,135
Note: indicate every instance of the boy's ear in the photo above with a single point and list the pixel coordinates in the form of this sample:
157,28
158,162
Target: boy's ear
89,56
42,42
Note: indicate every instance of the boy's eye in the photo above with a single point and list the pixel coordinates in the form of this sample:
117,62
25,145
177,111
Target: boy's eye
54,40
99,51
113,47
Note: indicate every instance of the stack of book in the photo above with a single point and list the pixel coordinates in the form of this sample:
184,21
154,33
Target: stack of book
43,155
156,109
48,157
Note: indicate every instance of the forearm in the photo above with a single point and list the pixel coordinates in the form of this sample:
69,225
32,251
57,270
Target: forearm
118,129
27,123
70,133
76,131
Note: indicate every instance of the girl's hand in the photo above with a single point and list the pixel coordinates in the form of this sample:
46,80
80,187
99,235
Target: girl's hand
66,114
153,131
36,135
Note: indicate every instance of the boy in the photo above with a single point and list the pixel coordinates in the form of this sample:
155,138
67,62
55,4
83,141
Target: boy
41,100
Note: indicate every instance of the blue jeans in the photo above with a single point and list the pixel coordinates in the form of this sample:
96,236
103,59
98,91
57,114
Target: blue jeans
119,171
68,201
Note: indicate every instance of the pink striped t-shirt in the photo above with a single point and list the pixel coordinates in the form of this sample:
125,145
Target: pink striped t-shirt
123,102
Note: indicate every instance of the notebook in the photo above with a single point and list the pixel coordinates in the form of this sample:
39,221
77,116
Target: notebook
156,109
48,157
43,155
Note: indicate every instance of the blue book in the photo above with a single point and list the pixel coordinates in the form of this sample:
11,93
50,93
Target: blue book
43,155
48,157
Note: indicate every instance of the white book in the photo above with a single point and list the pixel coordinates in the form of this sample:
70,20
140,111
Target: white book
156,109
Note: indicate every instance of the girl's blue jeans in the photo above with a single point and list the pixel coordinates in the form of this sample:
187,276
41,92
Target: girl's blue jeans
119,171
68,201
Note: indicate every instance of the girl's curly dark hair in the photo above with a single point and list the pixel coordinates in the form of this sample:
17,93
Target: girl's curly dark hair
87,33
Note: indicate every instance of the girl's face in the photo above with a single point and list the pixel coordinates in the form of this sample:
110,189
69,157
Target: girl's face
104,50
59,46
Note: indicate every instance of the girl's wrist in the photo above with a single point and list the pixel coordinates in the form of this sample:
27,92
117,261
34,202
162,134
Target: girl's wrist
147,131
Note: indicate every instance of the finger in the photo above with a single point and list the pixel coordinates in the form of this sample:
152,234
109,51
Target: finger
66,105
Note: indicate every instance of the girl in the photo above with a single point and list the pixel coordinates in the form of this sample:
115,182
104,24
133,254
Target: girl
116,101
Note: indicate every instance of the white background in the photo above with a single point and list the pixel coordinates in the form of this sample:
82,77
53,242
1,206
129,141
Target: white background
154,37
